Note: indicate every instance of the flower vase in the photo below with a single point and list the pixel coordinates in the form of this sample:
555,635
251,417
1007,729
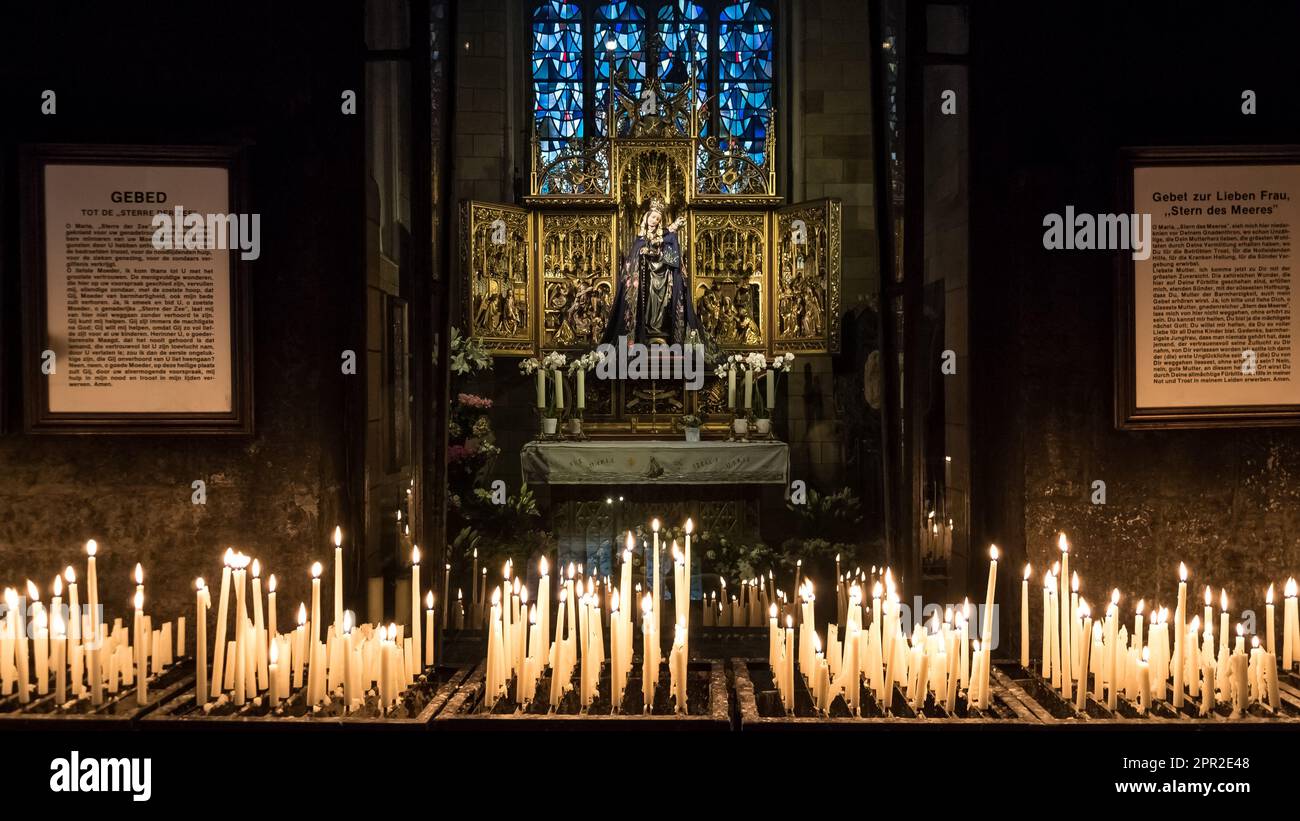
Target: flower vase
692,434
763,427
548,425
740,427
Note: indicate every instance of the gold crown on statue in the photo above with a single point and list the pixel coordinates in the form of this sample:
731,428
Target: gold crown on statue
657,204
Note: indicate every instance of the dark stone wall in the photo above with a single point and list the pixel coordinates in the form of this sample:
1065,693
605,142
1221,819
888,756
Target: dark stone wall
269,75
1059,88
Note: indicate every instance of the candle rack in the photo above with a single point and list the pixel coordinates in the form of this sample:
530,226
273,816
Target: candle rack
117,711
1053,709
707,697
760,707
418,705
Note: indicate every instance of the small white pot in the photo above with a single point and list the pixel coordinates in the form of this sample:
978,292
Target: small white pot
575,427
763,426
692,434
548,425
740,426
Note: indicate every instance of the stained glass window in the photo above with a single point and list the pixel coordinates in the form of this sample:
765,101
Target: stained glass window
557,75
745,38
683,45
729,43
620,40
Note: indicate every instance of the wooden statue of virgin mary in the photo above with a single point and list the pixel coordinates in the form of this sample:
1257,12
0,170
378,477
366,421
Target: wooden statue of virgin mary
652,303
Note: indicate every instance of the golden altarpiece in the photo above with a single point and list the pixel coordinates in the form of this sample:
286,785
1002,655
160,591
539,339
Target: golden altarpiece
541,276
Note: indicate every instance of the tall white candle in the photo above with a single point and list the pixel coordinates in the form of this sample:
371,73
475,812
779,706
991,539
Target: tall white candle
1024,619
1180,635
417,646
315,603
219,642
1066,617
428,629
338,582
201,603
1268,611
987,633
92,585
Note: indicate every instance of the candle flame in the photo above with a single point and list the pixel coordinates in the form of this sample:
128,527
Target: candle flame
1254,642
428,600
392,631
347,621
1114,597
1268,597
58,586
1290,586
532,614
257,568
771,611
274,657
496,596
1223,599
1096,631
1241,629
11,598
817,644
571,570
1056,569
228,558
523,595
33,592
875,590
139,603
690,526
315,570
302,613
1028,569
91,547
270,583
654,525
1084,610
70,574
544,567
789,622
1146,654
647,604
1049,581
613,601
1063,544
993,552
338,536
1182,572
199,584
1074,582
1196,624
415,554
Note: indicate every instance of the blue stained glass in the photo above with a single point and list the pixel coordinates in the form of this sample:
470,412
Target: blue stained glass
557,75
619,39
683,36
745,37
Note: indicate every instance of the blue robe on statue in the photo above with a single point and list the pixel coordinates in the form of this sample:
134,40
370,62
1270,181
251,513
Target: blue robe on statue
653,297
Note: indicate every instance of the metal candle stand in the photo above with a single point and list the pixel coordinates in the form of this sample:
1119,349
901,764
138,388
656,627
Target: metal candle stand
117,711
1051,708
182,713
760,708
466,711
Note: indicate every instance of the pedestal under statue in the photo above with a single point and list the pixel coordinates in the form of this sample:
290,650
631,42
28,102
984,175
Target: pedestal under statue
652,302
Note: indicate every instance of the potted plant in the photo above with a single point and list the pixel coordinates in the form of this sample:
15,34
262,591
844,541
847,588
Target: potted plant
691,424
549,403
578,370
765,399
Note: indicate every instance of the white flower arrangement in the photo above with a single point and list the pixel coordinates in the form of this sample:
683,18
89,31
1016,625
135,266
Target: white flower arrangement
529,366
587,361
782,362
554,361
